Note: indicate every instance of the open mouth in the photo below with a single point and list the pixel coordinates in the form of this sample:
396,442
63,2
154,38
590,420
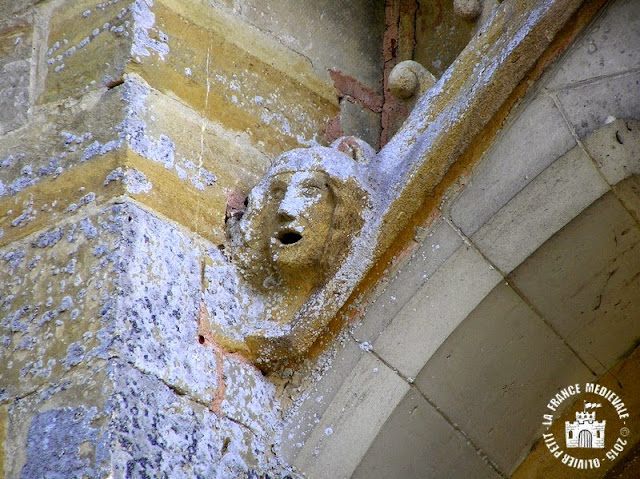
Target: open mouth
289,237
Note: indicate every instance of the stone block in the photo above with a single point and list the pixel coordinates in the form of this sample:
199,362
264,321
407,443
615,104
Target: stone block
544,206
113,419
59,138
306,412
417,442
438,244
593,105
435,311
628,191
529,144
237,76
14,95
440,36
11,7
62,428
361,122
57,301
193,162
15,54
348,427
585,282
154,429
616,149
347,39
89,46
160,290
611,45
503,363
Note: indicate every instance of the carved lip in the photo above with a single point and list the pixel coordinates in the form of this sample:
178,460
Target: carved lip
288,236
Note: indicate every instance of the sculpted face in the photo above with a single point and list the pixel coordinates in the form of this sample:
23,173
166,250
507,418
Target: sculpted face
300,221
299,214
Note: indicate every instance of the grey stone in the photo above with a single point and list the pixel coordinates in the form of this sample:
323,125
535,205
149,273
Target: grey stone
355,120
302,419
592,105
610,46
502,363
336,38
439,244
536,138
628,191
353,420
14,95
585,282
616,149
158,319
549,202
436,310
417,443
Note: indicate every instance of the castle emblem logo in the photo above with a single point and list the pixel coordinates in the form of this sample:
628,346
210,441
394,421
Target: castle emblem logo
585,444
585,431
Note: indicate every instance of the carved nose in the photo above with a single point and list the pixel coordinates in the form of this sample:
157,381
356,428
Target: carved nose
285,214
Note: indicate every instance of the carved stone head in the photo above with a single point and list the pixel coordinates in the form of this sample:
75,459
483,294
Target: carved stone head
301,219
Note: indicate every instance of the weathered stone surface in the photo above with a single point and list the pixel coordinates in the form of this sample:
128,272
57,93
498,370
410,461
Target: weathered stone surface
194,162
238,77
616,149
15,52
628,192
592,105
361,122
416,442
57,298
435,311
439,243
352,421
540,209
440,35
502,363
345,38
62,429
612,46
316,397
11,7
591,291
89,45
535,139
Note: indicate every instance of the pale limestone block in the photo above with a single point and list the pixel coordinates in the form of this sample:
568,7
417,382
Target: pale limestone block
417,442
553,199
610,46
440,242
301,420
531,143
353,420
593,105
590,288
435,311
503,363
616,149
629,193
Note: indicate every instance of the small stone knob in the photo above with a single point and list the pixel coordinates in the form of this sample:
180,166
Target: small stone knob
408,79
467,9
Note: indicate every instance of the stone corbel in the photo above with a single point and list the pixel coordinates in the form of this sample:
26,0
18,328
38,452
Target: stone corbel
321,217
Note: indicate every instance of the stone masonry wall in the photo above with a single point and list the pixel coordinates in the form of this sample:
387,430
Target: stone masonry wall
127,131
